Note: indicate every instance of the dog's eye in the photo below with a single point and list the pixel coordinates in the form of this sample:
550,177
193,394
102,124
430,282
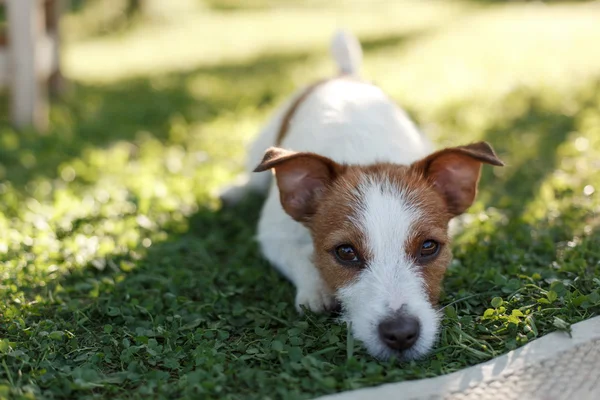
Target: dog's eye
346,254
429,248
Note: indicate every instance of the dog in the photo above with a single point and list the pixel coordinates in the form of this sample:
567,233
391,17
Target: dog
359,210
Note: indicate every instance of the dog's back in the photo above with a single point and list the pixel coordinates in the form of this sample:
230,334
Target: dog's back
353,121
350,120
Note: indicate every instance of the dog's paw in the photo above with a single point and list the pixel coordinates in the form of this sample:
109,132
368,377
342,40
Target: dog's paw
317,299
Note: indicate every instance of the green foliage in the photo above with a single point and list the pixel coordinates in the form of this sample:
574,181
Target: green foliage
120,276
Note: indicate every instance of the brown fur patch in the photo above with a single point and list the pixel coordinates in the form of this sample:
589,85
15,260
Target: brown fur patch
287,117
332,224
301,178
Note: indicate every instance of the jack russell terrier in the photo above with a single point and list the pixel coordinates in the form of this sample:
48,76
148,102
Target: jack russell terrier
360,210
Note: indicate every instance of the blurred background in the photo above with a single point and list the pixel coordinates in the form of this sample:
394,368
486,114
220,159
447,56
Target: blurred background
113,205
168,70
196,78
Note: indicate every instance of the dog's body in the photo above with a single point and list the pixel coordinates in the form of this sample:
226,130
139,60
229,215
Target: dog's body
353,194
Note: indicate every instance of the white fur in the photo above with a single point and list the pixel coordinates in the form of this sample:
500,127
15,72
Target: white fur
391,280
353,122
288,246
346,52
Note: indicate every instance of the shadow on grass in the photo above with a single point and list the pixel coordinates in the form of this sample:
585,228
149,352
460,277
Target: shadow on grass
203,315
174,323
519,275
520,263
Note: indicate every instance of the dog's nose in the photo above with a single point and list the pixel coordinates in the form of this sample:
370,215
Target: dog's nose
400,332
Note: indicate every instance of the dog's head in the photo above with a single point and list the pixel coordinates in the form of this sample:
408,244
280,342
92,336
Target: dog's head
380,235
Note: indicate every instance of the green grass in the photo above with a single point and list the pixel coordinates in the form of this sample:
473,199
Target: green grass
121,277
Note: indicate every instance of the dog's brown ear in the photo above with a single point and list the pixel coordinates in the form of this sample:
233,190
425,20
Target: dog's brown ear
301,177
454,173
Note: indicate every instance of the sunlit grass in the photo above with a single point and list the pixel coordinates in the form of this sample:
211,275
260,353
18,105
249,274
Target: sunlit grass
484,54
121,277
201,37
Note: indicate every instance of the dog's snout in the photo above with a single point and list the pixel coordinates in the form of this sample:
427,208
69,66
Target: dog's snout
400,332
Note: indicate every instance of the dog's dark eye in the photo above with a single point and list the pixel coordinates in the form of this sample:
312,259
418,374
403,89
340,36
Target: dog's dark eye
346,254
429,248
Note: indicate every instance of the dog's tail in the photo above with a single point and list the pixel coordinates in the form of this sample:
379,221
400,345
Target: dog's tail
347,53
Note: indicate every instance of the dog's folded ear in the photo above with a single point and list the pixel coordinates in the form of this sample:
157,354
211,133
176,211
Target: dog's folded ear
454,173
301,177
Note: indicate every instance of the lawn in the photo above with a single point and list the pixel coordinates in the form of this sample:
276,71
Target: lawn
121,276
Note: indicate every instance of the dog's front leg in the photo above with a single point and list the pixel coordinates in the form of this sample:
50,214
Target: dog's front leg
288,246
311,290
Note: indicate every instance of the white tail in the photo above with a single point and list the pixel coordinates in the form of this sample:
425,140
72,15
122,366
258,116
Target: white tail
347,53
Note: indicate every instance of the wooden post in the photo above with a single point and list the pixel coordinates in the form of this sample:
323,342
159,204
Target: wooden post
28,89
54,9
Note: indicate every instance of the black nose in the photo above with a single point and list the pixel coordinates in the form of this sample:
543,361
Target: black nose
400,332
